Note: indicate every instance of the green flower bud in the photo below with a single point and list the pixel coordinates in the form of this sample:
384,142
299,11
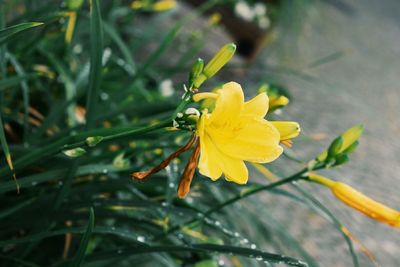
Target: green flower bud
75,152
335,147
341,159
197,69
219,60
351,136
351,148
93,140
216,63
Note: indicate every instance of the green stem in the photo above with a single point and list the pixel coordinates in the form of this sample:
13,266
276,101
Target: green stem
70,142
292,178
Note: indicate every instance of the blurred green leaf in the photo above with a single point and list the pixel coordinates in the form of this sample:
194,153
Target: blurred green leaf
80,255
6,33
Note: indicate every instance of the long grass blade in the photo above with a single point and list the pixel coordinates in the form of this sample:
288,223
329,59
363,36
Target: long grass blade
96,53
80,255
8,32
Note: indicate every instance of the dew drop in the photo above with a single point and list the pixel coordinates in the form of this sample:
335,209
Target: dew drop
141,238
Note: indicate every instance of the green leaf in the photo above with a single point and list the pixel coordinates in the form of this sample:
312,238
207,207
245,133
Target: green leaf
80,255
96,53
15,80
252,253
6,150
6,33
231,250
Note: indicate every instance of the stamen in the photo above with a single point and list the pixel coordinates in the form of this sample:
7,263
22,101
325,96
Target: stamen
200,96
288,143
187,176
165,162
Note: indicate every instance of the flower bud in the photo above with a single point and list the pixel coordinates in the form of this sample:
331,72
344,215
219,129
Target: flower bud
366,205
349,138
335,147
341,159
93,140
275,96
75,152
197,69
356,200
216,63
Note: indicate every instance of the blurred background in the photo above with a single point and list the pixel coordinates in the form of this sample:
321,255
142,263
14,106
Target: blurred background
337,61
340,62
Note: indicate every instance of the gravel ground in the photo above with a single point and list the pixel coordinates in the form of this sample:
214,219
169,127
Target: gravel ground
359,85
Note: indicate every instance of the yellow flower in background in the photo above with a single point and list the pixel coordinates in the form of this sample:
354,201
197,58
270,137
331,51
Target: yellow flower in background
355,199
236,131
164,5
159,6
276,98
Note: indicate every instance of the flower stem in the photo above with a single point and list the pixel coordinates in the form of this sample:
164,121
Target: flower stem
292,178
70,142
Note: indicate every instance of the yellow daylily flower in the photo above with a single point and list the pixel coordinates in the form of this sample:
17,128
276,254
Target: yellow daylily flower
164,5
236,131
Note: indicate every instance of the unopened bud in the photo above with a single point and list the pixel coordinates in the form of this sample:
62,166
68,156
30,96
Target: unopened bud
93,140
197,69
75,152
216,63
335,147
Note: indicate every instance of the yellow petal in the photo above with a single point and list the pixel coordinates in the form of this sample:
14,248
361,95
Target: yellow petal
257,106
229,104
257,141
287,129
234,169
209,163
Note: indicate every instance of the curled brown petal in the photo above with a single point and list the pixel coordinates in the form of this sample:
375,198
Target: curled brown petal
187,176
165,162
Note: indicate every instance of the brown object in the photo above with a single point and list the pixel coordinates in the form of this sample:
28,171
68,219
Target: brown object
165,162
248,37
187,176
